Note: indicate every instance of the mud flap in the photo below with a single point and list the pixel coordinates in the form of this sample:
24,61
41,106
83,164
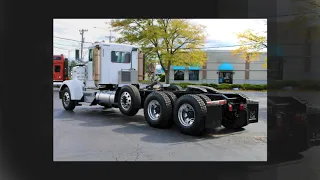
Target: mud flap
314,129
214,116
252,111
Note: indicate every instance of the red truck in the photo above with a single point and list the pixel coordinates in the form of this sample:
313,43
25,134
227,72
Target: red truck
60,68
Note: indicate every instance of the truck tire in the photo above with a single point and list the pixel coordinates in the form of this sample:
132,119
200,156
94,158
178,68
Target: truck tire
158,110
174,88
172,96
204,98
129,100
198,112
67,103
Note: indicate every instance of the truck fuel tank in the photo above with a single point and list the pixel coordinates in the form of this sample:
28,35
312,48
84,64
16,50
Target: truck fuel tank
105,97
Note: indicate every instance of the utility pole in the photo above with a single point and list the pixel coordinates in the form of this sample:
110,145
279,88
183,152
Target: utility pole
82,41
110,37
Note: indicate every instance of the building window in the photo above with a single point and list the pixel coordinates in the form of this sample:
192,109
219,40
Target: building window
120,57
193,75
56,68
225,77
178,75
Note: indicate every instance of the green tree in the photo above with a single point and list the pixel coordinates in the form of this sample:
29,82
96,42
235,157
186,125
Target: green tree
171,41
307,25
251,45
307,13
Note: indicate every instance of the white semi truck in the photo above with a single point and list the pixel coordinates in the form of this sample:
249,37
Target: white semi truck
111,80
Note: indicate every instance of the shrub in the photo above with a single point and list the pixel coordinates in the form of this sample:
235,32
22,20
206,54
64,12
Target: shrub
225,86
309,85
183,84
210,85
256,87
303,84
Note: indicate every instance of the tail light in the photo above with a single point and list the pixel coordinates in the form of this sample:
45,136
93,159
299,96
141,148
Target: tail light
230,107
241,107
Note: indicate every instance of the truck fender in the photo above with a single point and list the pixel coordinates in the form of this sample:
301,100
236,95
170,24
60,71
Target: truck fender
76,88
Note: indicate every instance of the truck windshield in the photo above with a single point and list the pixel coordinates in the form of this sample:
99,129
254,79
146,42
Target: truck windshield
90,54
57,58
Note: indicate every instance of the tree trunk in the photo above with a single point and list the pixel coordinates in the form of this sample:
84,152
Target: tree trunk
167,73
308,50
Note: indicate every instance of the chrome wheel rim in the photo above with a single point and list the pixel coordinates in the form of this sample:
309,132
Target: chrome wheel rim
66,99
154,110
125,100
186,115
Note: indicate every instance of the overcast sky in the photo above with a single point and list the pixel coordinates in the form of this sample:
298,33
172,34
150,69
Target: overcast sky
221,32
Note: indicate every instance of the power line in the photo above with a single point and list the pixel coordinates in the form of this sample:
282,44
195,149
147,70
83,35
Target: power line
110,37
61,48
64,44
69,47
71,39
85,53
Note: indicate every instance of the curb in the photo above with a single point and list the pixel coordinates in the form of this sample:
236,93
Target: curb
265,167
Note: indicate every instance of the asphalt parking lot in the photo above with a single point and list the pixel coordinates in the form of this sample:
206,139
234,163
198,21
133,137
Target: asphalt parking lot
96,134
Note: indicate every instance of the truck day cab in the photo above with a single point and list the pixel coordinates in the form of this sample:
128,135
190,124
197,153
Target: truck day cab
113,70
60,69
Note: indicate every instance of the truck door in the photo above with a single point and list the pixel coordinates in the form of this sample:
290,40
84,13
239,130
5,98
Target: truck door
57,68
66,69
